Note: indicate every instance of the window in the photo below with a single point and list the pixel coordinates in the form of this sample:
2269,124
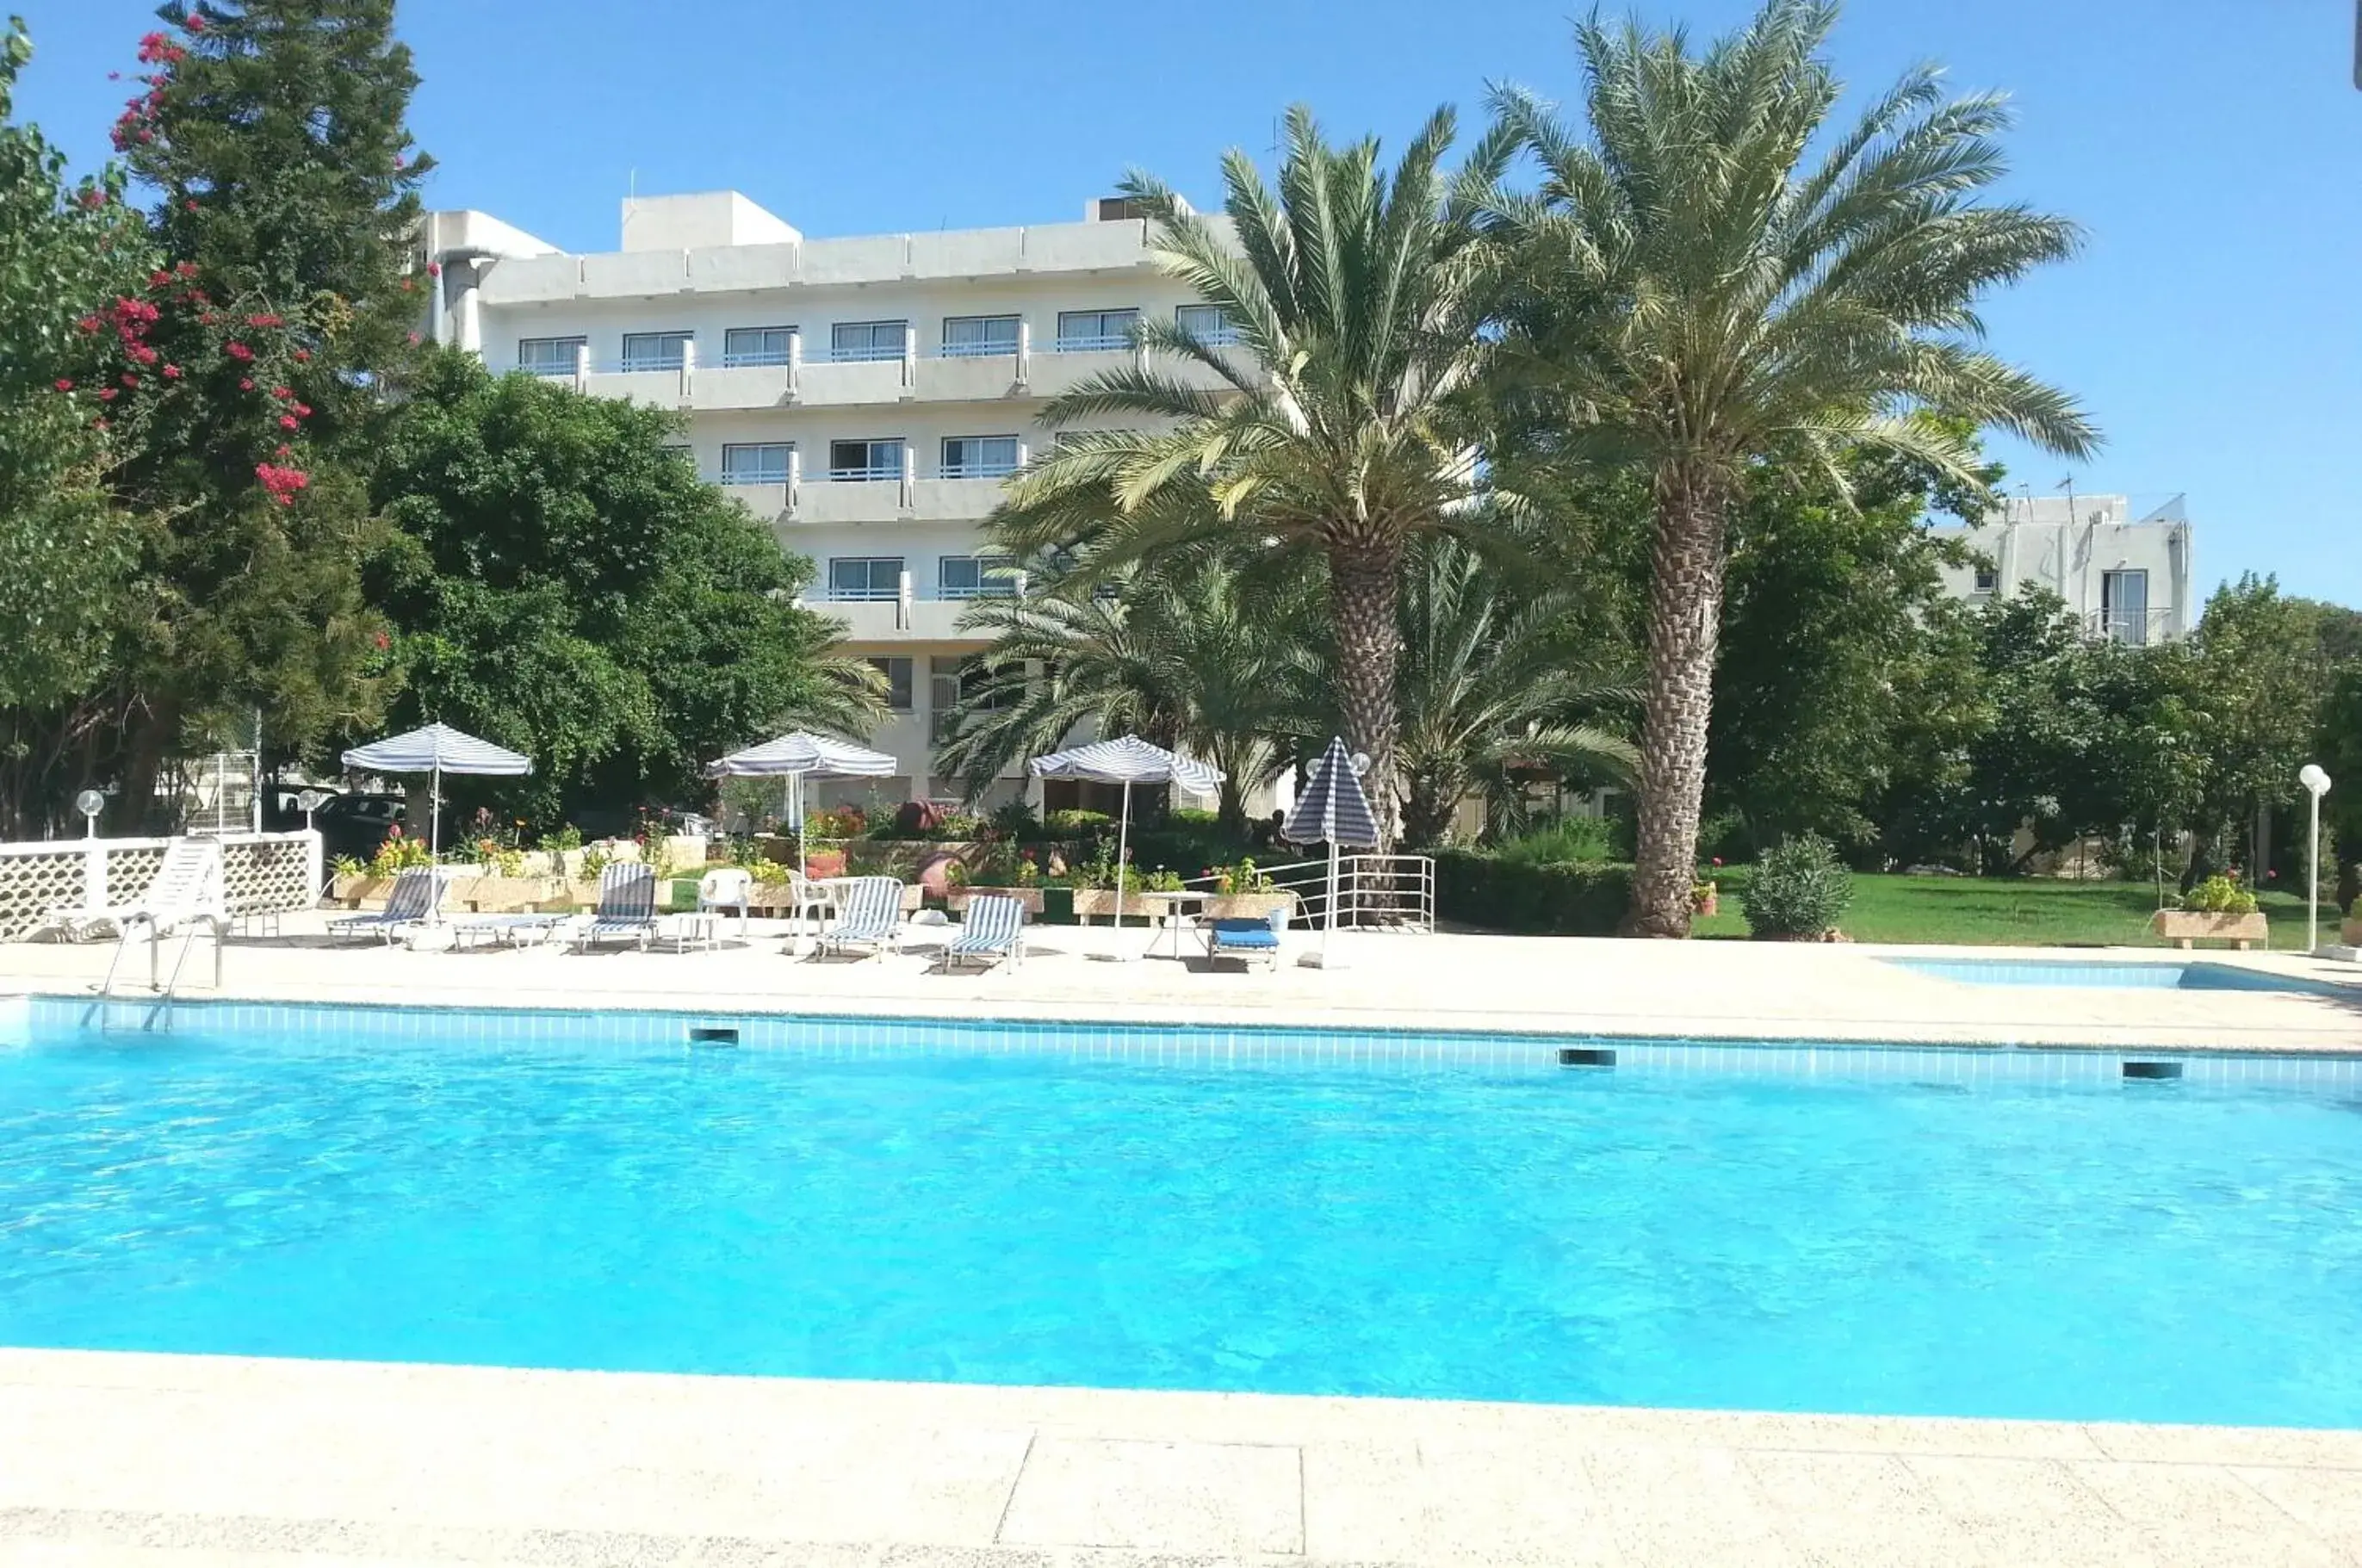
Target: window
753,462
679,450
897,672
978,337
867,339
1117,209
864,577
1081,330
858,461
980,456
757,345
1207,324
656,351
954,679
1988,576
2124,606
549,356
975,577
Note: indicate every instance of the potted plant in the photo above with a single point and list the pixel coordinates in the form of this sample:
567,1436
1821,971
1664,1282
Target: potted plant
2217,909
1024,885
1705,893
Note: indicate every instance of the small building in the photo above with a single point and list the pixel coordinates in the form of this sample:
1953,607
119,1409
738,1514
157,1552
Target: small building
2128,579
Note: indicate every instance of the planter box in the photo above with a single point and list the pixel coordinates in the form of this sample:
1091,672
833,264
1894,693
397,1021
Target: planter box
361,891
957,899
2182,927
2350,933
502,895
779,897
1248,906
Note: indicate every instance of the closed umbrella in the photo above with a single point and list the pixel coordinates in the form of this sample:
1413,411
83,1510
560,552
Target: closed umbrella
795,755
1127,760
436,750
1334,809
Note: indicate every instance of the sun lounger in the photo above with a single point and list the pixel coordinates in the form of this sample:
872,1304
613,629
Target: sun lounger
512,929
994,928
869,914
1245,938
417,894
627,906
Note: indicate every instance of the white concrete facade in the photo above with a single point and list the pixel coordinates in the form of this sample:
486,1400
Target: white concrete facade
863,396
2127,578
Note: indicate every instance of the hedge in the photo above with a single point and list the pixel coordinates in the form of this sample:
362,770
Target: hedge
1567,899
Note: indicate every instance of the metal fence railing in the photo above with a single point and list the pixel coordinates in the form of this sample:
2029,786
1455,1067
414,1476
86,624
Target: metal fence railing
1386,892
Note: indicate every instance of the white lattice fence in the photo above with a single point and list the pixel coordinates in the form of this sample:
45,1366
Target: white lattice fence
261,874
34,879
269,873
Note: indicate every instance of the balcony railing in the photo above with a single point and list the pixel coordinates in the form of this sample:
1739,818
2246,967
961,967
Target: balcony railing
844,595
995,350
632,363
865,353
1098,343
549,368
752,358
988,471
752,476
2136,628
883,474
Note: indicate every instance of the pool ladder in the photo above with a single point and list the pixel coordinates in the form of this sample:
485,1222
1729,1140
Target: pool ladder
164,991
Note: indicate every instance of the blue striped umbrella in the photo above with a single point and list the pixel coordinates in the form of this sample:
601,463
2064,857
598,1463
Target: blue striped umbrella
1127,760
436,749
796,754
1334,809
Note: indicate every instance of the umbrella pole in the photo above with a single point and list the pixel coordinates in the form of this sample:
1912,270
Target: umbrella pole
434,836
1328,924
1123,853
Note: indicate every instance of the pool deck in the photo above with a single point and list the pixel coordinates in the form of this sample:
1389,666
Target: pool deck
1570,984
196,1459
183,1460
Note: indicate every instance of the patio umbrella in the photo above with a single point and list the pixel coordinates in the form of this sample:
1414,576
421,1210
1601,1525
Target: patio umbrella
793,755
1127,760
1332,809
436,750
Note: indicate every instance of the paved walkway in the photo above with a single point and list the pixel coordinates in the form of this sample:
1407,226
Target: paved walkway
185,1460
136,1459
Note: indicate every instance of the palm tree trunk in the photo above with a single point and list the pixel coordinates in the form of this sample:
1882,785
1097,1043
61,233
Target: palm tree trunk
1364,581
1685,624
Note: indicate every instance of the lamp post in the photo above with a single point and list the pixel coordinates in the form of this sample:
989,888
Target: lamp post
2316,784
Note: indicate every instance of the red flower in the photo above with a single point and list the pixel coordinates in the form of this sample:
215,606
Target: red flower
395,831
88,324
64,385
195,23
283,448
238,350
185,269
435,268
191,205
245,385
303,411
302,355
108,394
94,198
171,372
414,337
145,355
287,422
282,391
264,321
158,279
383,642
129,380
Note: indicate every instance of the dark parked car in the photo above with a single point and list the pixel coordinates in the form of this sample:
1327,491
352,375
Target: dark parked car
355,825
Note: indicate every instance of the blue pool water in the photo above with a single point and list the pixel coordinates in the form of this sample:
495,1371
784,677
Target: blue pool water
1490,1226
2117,975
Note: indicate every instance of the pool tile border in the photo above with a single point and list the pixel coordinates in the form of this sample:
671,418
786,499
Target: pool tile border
844,1037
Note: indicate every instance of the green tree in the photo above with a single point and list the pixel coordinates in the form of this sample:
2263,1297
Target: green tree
1350,294
564,585
2264,669
66,556
1697,298
1184,650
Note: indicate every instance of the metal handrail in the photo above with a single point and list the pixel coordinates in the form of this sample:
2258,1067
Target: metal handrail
871,354
975,470
1099,343
865,476
977,350
1374,891
751,359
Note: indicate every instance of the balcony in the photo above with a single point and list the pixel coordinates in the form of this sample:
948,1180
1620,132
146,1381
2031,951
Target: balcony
853,380
743,386
955,499
628,382
885,620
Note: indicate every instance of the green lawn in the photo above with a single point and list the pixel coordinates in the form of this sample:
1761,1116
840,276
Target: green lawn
2006,912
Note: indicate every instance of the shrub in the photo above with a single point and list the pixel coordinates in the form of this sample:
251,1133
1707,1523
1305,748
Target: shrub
1568,840
1015,819
1242,878
914,819
1800,889
2219,895
1480,888
1076,824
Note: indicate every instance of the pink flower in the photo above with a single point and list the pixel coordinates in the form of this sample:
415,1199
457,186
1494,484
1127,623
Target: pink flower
246,384
302,355
414,337
108,394
282,391
171,372
191,205
64,385
287,422
237,351
195,24
435,268
88,324
303,411
129,380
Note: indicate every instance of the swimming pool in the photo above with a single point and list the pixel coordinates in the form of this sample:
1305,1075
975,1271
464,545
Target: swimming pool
2118,975
2005,1233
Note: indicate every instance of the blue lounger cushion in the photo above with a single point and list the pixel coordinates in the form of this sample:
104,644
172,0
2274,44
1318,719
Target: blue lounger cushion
1244,934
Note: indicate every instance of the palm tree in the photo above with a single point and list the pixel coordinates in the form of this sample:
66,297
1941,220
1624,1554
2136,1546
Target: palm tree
1184,651
1491,682
1350,295
1696,299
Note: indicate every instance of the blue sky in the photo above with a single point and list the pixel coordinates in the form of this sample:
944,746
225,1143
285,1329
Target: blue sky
2211,148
